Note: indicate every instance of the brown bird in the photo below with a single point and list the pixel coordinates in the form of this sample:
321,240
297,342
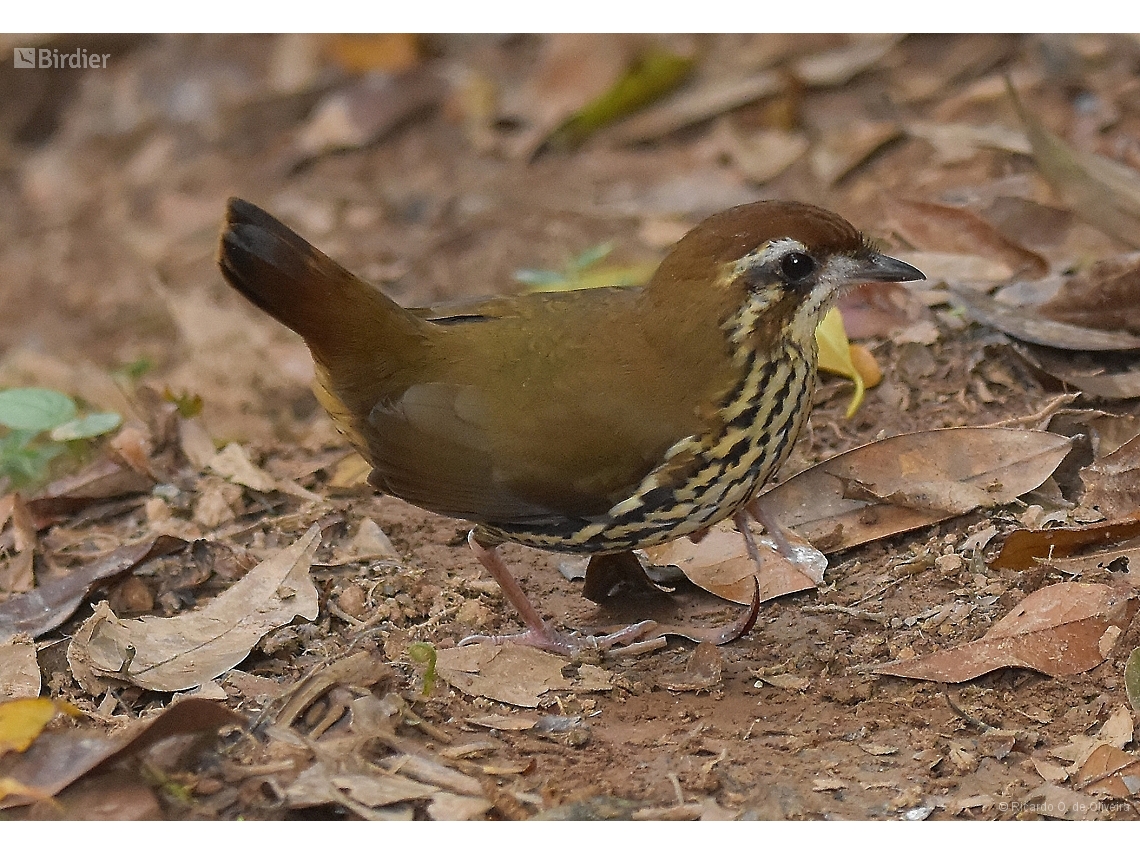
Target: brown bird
596,421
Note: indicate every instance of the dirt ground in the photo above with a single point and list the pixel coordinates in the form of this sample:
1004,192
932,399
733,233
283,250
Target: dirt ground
112,187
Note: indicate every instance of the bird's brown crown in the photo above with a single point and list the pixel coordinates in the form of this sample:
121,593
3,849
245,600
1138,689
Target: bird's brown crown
732,234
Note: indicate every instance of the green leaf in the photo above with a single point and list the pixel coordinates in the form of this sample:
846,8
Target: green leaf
95,424
424,653
1132,679
35,409
653,75
26,465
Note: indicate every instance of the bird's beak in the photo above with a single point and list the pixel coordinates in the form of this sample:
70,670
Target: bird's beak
883,268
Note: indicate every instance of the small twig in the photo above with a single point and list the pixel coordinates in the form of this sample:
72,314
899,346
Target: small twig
863,614
1042,414
337,611
969,718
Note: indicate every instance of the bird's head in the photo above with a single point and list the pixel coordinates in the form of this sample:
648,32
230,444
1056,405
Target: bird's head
769,271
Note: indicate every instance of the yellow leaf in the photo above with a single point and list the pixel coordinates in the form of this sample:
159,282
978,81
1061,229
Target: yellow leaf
21,721
836,356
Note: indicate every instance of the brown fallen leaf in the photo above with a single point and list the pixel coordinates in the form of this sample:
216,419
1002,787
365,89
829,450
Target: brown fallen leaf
843,149
1023,548
955,143
508,673
720,564
176,653
1100,191
1105,768
46,607
364,111
1105,296
1112,484
1056,630
19,669
1026,324
61,757
1002,462
1105,375
838,66
944,228
702,672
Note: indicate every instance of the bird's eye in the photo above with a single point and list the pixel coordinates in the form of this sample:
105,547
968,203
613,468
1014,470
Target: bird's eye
796,266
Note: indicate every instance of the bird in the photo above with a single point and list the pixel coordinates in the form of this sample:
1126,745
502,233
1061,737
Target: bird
597,421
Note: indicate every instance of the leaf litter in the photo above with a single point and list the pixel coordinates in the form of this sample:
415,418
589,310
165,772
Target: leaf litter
340,693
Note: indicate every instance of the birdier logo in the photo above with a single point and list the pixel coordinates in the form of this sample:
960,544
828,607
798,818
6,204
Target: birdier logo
30,57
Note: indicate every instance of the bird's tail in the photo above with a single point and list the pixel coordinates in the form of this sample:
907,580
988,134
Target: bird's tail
342,318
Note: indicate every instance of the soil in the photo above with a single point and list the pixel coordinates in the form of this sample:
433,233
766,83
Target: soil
112,187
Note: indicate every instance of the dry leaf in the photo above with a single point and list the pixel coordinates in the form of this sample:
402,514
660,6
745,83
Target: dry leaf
944,228
1055,630
172,654
1112,484
1002,463
1105,296
22,721
843,149
765,154
703,670
509,673
1100,191
365,110
19,669
61,757
955,143
958,270
720,564
1028,325
1023,548
46,607
838,66
1110,376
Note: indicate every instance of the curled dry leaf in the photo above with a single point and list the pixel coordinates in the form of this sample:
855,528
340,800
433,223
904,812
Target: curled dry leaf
927,472
172,654
1106,375
1100,191
46,607
59,758
1028,325
720,564
1057,630
1023,548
